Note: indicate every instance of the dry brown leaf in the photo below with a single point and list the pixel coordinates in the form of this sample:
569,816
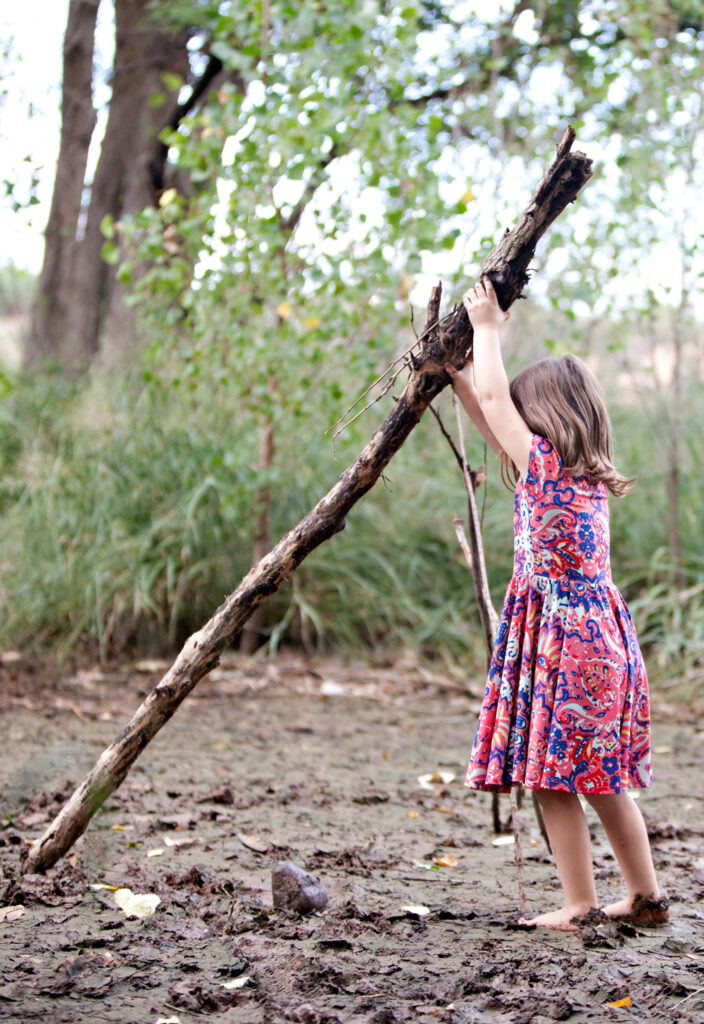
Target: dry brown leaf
446,861
253,842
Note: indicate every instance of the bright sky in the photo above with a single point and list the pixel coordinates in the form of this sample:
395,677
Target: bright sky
30,126
30,120
35,75
30,113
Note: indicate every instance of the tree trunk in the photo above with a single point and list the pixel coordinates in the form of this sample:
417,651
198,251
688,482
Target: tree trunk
48,335
123,181
449,339
78,293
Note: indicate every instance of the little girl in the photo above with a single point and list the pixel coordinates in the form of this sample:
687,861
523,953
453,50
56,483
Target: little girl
566,709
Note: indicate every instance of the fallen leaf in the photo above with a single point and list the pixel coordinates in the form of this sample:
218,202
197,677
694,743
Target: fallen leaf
186,841
237,982
385,755
36,818
11,913
120,828
416,908
220,746
443,809
156,852
503,841
253,842
411,814
432,779
626,1001
137,904
446,861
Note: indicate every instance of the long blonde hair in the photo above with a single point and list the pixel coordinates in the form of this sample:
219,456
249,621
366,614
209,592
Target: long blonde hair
562,400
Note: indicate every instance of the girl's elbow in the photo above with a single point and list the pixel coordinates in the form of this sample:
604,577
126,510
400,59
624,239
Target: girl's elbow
488,398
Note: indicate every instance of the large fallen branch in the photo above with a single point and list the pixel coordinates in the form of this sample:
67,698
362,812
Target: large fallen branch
442,340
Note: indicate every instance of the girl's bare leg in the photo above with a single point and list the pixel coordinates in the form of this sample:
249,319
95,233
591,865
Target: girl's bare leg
628,836
567,828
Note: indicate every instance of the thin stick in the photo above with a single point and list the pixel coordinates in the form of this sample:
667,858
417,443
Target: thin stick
453,446
697,991
487,612
403,360
458,523
518,851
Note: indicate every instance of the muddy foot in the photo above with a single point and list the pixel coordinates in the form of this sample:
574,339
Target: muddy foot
564,920
640,910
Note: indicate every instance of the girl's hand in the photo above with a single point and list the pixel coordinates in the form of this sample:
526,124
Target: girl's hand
462,380
483,307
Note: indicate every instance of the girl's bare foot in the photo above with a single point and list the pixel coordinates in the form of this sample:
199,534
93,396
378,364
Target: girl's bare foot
639,910
562,919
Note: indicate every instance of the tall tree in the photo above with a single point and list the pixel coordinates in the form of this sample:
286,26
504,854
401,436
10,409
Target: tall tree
78,296
49,333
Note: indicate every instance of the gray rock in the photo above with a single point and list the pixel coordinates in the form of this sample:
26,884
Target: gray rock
294,889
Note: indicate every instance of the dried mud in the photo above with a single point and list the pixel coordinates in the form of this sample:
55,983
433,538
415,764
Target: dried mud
317,762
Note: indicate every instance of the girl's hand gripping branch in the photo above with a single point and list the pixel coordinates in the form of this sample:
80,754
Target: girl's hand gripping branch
483,307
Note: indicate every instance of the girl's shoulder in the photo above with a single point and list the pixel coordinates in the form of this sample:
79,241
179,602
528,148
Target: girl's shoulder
545,467
544,462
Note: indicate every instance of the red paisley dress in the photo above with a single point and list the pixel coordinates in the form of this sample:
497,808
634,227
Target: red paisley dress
566,703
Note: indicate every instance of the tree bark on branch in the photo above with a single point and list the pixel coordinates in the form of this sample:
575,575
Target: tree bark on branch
442,340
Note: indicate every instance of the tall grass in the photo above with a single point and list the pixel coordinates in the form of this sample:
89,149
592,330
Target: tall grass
127,512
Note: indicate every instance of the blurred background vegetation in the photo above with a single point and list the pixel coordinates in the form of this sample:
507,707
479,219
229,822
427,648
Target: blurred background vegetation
239,256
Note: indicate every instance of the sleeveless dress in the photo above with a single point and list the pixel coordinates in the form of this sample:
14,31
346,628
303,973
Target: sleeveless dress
566,704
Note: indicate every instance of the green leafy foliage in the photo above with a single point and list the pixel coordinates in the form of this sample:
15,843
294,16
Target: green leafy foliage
343,147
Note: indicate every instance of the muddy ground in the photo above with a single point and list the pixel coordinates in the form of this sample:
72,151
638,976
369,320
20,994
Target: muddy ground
316,762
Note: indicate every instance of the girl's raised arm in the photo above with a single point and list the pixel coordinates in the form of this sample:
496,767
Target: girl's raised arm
501,415
463,385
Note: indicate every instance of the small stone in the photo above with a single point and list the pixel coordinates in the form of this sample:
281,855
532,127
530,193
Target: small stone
294,889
